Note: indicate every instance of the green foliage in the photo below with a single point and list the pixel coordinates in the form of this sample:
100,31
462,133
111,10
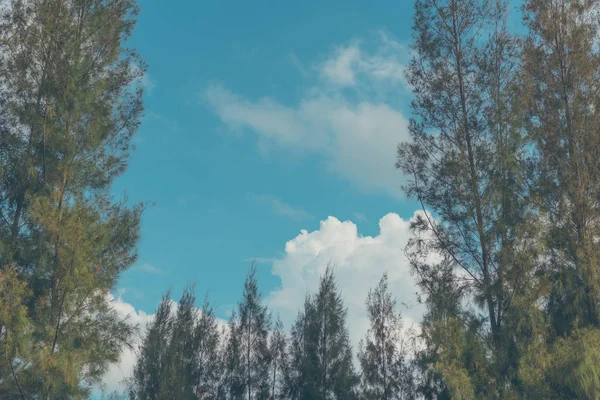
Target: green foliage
151,367
321,357
503,158
383,353
279,359
253,328
208,369
67,116
15,330
234,378
180,354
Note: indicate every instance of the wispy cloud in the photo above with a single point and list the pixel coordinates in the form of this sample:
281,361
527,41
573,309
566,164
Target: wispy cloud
298,64
360,217
356,133
281,208
170,124
151,269
354,63
147,83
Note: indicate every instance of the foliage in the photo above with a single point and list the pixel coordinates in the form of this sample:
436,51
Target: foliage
383,353
68,113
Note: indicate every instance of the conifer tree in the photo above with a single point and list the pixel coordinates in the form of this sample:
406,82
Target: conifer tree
152,364
71,108
209,368
321,363
180,354
278,354
382,354
15,329
562,63
181,375
253,328
234,377
299,380
465,166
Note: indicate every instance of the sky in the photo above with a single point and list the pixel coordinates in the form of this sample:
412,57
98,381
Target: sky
270,135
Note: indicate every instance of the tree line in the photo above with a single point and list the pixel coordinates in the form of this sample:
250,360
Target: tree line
186,355
503,157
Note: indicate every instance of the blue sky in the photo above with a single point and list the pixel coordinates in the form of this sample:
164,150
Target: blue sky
215,188
270,133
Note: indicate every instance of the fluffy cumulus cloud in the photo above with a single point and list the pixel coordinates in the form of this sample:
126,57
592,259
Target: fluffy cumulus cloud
359,263
350,116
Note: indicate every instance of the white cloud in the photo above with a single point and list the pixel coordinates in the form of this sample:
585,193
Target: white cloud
147,83
151,269
351,64
360,217
359,264
358,140
355,133
341,68
281,208
117,374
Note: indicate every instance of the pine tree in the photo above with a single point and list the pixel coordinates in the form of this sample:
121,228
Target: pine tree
181,375
180,354
299,380
443,304
70,110
278,354
152,364
321,361
15,330
562,63
465,166
209,368
385,372
234,377
253,329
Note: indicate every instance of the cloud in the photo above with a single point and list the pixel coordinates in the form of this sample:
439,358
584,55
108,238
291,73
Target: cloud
151,269
341,68
358,140
298,64
117,374
356,134
143,80
359,263
281,208
352,64
167,122
360,217
147,83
